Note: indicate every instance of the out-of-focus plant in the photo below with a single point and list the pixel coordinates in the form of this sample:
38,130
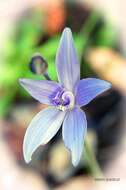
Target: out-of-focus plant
18,50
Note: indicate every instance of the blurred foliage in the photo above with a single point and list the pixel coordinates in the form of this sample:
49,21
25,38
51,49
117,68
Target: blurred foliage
106,36
24,43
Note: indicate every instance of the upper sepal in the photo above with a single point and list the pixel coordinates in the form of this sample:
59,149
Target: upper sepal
68,67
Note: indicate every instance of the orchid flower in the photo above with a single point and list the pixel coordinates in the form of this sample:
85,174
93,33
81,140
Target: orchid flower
64,100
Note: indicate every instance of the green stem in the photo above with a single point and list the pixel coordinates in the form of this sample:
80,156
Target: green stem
88,28
85,34
90,23
91,160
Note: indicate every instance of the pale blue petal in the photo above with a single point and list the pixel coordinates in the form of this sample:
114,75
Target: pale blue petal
89,88
41,90
41,129
74,131
68,67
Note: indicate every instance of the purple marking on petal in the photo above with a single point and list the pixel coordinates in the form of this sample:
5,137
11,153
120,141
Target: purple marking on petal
57,93
56,98
68,67
74,131
66,101
41,90
56,102
89,88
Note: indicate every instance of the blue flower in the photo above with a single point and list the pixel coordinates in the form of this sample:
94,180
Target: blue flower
64,100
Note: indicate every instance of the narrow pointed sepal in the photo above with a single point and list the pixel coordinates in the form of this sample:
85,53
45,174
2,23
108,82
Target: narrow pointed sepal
41,129
74,131
68,67
89,88
41,90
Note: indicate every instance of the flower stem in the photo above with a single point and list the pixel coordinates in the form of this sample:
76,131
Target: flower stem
91,160
85,33
46,75
87,29
90,24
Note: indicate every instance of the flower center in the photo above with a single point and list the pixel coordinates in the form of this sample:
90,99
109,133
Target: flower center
64,100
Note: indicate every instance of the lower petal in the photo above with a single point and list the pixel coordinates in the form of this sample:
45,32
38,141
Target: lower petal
41,129
74,131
